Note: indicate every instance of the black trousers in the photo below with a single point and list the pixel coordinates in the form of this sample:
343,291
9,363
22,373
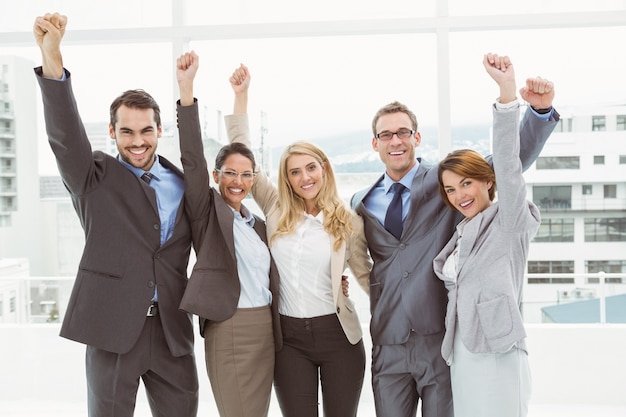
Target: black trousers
316,349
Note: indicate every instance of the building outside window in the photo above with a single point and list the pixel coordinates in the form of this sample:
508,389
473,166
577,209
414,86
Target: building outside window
587,189
557,197
551,267
558,162
605,229
621,122
610,191
564,125
622,159
598,123
610,267
555,230
598,159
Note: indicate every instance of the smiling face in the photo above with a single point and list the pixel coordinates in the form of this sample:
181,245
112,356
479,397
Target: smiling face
234,190
467,195
306,177
136,134
397,154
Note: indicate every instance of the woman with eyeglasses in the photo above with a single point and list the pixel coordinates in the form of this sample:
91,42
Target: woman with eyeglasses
233,287
313,236
484,262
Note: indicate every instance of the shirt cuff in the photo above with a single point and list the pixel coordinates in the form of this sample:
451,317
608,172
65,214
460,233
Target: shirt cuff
507,106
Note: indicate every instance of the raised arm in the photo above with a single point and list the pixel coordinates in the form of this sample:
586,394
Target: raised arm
197,191
534,128
238,130
49,30
66,134
513,214
539,121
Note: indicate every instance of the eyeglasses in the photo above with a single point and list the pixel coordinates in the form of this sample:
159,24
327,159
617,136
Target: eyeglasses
245,176
401,134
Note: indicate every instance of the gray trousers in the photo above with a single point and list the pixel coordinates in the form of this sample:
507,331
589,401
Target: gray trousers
402,375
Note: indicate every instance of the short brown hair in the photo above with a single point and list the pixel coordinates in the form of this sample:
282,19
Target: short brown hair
135,99
394,107
468,164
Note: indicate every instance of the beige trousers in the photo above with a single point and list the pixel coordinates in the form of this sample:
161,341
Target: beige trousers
239,355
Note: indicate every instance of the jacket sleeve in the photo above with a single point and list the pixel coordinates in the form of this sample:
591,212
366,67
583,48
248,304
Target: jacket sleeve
534,132
263,191
198,195
514,208
67,136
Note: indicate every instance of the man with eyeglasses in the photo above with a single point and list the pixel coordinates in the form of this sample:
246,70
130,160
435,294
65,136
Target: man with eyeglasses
404,234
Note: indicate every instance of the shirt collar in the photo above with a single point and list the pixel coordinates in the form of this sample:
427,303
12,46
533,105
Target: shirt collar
407,180
244,214
155,170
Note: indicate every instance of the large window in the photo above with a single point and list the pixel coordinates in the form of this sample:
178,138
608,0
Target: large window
550,267
558,162
598,123
555,230
605,229
621,122
555,197
610,191
610,267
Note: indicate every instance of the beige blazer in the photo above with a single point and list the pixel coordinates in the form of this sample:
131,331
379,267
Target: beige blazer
352,253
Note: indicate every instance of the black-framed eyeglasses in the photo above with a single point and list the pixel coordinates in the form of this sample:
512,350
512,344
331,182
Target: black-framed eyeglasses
230,174
401,134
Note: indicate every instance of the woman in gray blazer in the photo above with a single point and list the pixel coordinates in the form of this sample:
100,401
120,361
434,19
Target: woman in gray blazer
483,264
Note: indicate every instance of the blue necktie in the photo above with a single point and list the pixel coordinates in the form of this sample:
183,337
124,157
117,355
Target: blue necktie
393,218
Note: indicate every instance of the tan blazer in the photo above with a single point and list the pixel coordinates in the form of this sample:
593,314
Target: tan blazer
352,253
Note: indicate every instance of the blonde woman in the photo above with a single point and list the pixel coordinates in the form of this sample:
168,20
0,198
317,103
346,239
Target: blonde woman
313,236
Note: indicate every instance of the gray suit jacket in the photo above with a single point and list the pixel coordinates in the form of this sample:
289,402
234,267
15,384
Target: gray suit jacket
405,293
214,287
487,292
123,259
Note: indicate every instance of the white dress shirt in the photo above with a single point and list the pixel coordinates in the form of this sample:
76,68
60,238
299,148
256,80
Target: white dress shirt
303,262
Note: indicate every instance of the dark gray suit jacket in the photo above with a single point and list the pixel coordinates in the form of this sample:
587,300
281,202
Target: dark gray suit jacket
123,259
214,287
405,293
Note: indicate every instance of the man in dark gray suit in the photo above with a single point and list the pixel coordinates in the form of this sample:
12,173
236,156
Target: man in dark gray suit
408,302
133,271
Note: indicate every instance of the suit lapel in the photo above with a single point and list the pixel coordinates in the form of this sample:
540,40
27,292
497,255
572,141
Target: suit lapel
469,238
225,219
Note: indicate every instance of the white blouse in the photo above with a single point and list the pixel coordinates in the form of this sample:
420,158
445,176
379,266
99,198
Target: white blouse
303,262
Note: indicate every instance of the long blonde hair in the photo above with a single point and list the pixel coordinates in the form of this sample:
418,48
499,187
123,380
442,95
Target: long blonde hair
337,214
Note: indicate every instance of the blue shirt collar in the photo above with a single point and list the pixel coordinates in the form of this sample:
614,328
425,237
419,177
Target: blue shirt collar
407,180
155,170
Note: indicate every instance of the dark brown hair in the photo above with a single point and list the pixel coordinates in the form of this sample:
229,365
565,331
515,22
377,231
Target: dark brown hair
135,99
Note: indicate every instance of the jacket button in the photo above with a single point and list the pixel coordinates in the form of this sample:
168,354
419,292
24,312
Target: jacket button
156,226
150,284
338,310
